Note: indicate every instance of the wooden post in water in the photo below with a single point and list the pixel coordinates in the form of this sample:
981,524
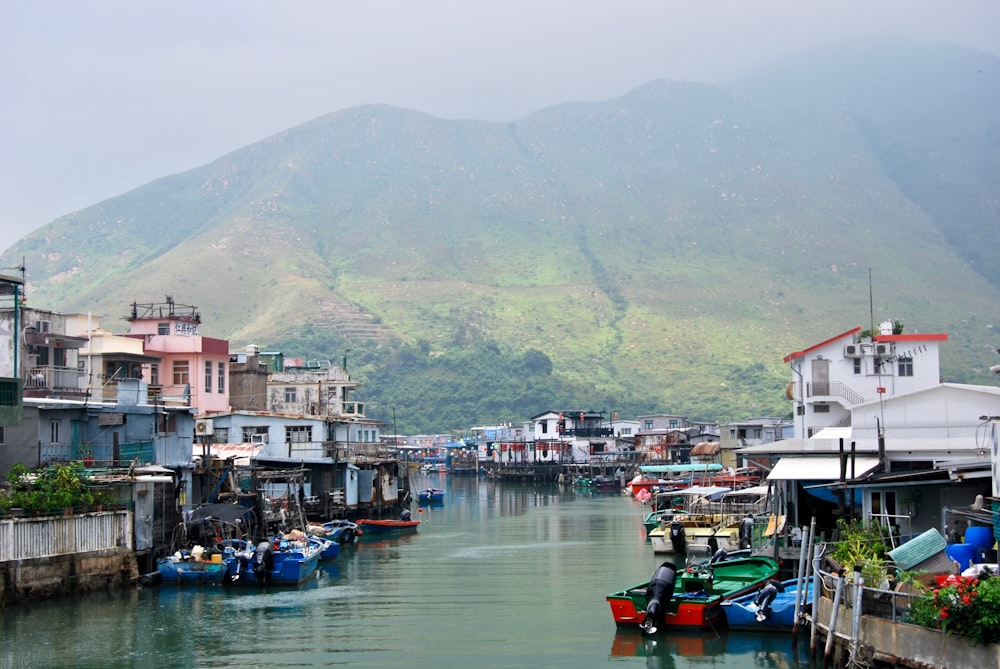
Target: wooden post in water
859,592
831,631
801,590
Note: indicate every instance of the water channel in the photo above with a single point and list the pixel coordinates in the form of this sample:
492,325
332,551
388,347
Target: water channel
499,575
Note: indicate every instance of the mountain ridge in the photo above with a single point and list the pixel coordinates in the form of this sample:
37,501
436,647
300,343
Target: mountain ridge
644,245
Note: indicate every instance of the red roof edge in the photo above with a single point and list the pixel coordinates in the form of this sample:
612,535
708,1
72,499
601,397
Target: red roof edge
799,354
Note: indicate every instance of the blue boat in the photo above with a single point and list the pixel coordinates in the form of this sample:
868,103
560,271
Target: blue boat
201,543
183,568
430,495
281,562
342,531
743,612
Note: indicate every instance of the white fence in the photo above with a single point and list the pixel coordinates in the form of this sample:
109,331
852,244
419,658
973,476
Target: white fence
49,536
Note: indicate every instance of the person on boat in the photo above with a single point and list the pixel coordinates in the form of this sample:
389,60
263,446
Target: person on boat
765,596
405,515
746,531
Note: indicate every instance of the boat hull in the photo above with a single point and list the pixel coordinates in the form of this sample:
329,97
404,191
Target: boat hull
741,613
698,595
292,565
382,527
191,572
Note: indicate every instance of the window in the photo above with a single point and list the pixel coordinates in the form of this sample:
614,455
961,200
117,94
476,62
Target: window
154,374
649,425
905,366
821,408
290,394
53,431
3,435
222,378
208,376
298,434
181,372
163,328
545,427
857,365
221,435
673,422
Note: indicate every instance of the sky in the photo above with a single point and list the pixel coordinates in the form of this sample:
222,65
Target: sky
102,96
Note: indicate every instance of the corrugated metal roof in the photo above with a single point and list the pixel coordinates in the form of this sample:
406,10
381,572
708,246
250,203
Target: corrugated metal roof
920,548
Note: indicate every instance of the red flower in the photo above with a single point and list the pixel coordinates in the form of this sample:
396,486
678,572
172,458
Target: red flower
944,614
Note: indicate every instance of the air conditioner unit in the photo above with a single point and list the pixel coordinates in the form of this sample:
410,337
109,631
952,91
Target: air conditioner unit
852,351
258,438
204,427
883,349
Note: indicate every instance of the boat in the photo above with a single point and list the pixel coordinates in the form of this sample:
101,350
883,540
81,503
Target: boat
201,542
691,599
742,612
429,495
381,527
342,531
195,567
283,561
697,512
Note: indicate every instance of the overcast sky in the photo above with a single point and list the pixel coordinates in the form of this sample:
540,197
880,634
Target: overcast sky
102,96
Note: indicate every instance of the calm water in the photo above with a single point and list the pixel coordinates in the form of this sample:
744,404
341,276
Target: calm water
500,575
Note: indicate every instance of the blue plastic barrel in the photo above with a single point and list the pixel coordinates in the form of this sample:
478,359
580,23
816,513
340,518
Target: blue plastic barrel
979,536
963,554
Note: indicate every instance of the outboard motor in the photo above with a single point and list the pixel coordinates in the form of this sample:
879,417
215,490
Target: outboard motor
659,592
746,532
677,537
263,562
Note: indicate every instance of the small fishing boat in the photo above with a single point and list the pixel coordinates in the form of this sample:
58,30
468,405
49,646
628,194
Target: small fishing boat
342,531
201,542
428,495
747,613
193,567
692,598
382,527
280,562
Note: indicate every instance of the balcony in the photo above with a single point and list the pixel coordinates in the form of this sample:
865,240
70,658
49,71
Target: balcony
836,390
51,381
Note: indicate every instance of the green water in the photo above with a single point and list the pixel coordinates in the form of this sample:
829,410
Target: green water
499,575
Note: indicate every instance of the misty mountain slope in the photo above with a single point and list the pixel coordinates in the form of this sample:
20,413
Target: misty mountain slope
663,250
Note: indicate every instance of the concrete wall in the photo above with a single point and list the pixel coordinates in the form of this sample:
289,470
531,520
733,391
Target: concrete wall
908,645
64,575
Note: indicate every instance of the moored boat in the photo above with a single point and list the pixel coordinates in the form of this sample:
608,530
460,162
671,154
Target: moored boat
192,568
749,612
381,527
429,495
692,598
281,562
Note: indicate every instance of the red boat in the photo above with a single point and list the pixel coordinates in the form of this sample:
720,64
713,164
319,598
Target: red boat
691,600
372,527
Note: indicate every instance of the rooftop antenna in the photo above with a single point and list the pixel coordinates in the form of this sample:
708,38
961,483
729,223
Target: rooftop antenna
871,304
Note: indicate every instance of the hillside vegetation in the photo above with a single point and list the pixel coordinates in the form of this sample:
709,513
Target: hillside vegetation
660,252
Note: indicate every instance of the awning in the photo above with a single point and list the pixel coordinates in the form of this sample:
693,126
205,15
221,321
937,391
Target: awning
820,468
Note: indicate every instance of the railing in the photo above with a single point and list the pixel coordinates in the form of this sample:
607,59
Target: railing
56,379
834,389
588,432
27,538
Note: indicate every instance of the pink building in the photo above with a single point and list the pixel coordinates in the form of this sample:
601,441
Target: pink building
193,369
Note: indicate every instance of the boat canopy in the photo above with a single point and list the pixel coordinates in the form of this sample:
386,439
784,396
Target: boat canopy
680,469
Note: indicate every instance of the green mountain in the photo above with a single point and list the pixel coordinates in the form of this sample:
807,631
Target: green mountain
657,252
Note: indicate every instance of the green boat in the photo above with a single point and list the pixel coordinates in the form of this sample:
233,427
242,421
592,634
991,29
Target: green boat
691,598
